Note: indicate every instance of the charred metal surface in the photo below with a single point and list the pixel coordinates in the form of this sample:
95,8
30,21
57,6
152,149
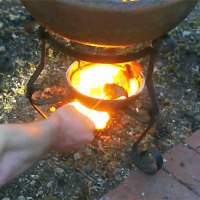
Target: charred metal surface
109,22
109,58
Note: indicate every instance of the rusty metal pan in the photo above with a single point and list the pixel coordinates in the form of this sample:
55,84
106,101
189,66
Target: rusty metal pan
105,105
109,22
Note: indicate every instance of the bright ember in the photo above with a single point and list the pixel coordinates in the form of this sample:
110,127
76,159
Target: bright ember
105,82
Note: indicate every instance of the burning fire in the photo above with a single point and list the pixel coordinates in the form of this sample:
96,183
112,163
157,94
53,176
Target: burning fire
99,118
104,82
90,79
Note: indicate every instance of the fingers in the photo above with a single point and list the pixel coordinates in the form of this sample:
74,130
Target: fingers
70,109
75,129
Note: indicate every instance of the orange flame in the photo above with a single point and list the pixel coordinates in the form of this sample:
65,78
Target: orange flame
99,118
90,79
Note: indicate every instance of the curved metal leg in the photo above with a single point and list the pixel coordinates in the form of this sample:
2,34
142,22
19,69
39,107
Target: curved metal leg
32,86
150,160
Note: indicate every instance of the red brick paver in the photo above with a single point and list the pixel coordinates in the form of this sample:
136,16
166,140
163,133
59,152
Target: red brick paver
140,186
184,164
178,180
194,141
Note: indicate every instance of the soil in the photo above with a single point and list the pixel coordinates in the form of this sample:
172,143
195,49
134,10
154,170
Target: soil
106,162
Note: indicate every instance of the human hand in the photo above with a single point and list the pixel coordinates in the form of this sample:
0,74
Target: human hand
21,145
74,129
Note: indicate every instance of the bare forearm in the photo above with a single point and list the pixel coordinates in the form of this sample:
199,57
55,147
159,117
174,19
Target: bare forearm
23,144
32,135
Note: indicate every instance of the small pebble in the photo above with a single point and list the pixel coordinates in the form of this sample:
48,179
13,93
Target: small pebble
131,133
50,184
198,32
13,17
186,33
21,198
159,64
40,193
88,151
59,170
2,49
105,198
32,182
77,156
161,94
1,24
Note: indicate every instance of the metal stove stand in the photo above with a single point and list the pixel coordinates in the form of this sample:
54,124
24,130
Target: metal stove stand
148,160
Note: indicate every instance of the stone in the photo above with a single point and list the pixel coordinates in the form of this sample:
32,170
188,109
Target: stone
186,33
159,64
40,193
2,49
21,198
87,151
50,184
77,156
59,170
161,94
105,198
32,182
14,17
1,25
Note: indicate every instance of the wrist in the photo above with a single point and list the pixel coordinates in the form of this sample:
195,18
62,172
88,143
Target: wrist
38,136
52,130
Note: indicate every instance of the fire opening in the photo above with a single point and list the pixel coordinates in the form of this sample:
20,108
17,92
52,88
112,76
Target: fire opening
104,82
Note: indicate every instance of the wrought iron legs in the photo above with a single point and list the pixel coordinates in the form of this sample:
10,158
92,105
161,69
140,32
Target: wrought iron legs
150,160
147,159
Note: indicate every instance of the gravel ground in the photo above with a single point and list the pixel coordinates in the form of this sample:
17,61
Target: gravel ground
102,165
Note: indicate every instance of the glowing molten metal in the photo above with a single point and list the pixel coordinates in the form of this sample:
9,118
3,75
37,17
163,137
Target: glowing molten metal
104,82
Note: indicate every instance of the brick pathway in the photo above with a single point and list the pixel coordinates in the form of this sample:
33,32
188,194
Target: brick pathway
178,180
